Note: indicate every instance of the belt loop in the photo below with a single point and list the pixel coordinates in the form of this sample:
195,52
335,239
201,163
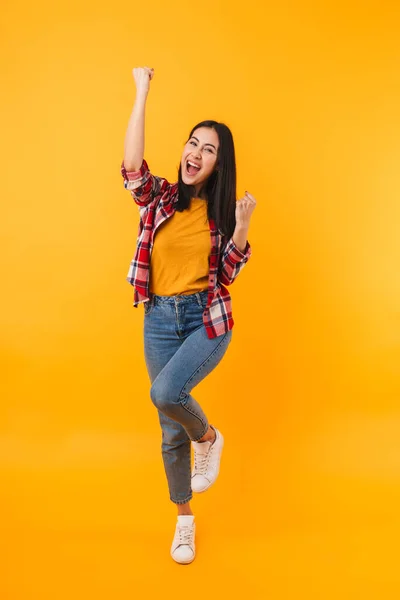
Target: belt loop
199,299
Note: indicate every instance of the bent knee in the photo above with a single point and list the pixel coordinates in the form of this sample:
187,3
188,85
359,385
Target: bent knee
162,396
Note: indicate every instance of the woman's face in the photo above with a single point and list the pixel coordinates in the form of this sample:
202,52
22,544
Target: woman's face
201,151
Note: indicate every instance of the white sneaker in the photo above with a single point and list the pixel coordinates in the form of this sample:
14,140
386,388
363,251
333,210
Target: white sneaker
183,546
207,457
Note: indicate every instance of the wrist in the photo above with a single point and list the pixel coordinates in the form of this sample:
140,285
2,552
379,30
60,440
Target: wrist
240,238
141,96
242,226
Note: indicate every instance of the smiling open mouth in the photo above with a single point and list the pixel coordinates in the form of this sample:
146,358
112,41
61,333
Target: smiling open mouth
191,169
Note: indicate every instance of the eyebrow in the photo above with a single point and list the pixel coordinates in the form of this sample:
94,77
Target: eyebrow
193,136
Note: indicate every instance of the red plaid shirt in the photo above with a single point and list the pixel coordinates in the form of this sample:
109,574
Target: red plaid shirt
156,200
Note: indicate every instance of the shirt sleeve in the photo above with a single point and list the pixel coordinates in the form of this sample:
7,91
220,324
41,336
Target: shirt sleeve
143,186
232,262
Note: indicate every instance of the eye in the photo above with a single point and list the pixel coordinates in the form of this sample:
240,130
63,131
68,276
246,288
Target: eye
194,143
209,149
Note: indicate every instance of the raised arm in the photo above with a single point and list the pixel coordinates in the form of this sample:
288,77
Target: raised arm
142,184
237,250
134,139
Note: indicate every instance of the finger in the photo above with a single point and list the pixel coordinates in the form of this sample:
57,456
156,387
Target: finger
250,195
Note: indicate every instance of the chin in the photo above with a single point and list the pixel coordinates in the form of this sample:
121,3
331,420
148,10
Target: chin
188,181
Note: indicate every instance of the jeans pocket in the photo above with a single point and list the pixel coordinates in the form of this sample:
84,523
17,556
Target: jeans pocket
148,306
204,300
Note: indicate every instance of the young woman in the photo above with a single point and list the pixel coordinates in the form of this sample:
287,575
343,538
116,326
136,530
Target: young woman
194,235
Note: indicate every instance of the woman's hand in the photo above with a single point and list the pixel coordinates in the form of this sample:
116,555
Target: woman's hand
244,210
142,77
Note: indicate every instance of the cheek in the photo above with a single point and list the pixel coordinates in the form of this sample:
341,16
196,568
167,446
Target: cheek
185,152
211,161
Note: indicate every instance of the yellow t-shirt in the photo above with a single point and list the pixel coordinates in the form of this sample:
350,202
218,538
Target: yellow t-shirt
181,248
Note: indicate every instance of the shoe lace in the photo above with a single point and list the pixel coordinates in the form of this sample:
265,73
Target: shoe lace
201,462
185,534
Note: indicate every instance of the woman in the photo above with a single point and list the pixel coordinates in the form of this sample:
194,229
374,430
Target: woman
200,247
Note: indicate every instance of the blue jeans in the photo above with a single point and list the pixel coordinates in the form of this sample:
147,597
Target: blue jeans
178,356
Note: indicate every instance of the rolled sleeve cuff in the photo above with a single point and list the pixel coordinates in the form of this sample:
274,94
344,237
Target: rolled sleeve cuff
133,179
235,255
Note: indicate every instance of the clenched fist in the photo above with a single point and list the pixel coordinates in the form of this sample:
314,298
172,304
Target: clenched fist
142,77
244,209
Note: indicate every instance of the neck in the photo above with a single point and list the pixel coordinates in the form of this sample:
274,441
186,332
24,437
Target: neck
200,190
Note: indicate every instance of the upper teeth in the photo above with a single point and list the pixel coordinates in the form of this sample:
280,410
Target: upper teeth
193,164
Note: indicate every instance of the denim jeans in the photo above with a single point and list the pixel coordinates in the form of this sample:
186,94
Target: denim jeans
178,356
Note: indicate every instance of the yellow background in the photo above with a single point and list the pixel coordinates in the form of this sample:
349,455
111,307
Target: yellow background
307,396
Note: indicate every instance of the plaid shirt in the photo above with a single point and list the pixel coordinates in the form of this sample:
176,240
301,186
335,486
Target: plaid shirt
156,199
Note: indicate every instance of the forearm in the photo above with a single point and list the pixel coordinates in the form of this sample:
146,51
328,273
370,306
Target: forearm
240,236
134,139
